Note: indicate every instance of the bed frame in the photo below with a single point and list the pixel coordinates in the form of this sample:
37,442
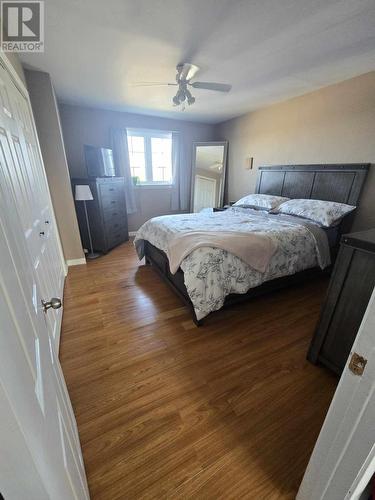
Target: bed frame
334,182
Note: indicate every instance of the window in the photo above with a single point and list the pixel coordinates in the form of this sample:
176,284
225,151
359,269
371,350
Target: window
150,156
136,145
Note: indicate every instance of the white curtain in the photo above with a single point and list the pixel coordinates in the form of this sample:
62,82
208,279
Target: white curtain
180,199
121,158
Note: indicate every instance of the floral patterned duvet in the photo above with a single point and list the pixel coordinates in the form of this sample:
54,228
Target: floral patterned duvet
211,274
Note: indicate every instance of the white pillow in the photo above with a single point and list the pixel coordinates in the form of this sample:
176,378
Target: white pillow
326,213
261,201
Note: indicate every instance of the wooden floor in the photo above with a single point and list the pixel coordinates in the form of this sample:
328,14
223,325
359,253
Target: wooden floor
229,410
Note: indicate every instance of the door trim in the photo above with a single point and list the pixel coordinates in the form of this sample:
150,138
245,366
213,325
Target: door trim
17,80
76,262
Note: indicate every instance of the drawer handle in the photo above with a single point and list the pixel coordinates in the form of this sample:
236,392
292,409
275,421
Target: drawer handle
113,202
111,189
115,225
115,213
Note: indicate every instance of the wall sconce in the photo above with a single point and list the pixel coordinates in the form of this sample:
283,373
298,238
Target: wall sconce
249,163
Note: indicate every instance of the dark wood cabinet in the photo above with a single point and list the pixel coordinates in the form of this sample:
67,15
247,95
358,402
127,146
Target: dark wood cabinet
349,292
106,212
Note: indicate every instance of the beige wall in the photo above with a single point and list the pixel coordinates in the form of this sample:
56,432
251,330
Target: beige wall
51,142
332,125
83,125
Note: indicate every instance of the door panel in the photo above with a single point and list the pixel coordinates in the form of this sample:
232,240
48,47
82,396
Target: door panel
204,193
34,205
50,256
31,270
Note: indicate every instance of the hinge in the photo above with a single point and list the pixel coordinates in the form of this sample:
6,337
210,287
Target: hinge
357,364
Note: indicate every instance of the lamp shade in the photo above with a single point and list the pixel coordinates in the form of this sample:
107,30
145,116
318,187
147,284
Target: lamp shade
83,193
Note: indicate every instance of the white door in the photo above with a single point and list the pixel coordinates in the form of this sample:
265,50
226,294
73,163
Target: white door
30,189
204,193
343,460
39,445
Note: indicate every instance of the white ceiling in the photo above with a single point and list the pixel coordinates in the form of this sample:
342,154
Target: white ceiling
269,50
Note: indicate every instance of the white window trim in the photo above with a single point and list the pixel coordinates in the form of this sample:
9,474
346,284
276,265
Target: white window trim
147,134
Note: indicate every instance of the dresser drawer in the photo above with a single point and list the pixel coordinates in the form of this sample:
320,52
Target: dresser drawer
114,225
113,202
116,237
111,189
113,213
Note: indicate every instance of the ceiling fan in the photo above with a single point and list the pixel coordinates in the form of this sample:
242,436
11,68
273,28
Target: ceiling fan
185,73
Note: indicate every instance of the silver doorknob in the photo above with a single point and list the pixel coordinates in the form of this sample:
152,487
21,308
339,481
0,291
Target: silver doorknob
54,303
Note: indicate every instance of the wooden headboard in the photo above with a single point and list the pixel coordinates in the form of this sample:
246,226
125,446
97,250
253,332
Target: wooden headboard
337,182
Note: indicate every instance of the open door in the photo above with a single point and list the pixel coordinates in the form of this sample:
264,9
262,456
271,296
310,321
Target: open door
343,460
40,453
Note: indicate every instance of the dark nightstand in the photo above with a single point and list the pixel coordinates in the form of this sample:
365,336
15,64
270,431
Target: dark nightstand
349,292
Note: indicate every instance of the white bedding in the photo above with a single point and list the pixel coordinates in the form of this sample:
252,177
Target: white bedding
211,274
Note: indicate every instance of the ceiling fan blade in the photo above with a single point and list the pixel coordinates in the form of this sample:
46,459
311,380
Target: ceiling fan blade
152,84
186,71
219,87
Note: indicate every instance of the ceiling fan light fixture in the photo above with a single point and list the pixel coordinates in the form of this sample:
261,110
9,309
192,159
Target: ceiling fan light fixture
180,95
185,73
190,98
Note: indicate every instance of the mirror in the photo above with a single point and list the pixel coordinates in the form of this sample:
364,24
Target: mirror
208,175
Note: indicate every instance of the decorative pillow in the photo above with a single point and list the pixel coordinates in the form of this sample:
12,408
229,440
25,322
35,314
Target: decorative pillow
261,201
326,213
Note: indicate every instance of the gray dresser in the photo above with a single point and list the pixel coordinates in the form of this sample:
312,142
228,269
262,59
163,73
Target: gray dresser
349,292
106,212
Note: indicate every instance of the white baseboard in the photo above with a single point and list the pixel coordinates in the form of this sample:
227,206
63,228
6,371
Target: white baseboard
76,262
132,233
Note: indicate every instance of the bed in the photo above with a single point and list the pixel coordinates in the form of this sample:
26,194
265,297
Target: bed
211,278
